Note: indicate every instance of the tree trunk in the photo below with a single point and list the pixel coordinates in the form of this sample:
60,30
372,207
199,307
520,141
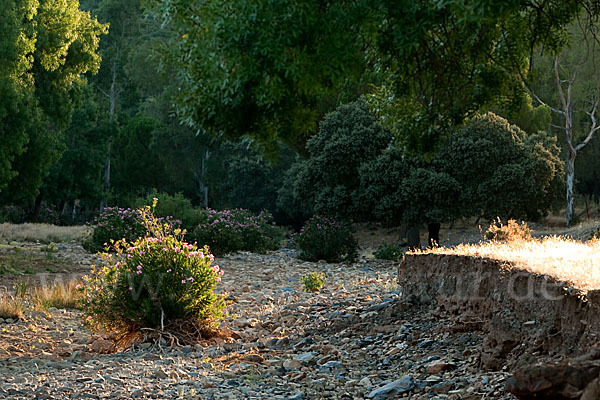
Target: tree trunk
75,214
106,179
112,99
413,237
434,234
200,175
403,230
37,207
570,180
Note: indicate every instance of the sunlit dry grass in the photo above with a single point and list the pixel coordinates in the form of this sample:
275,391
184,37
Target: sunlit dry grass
11,307
43,233
565,259
59,295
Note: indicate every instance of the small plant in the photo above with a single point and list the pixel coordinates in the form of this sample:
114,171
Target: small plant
313,282
50,250
59,295
233,230
153,282
324,239
391,252
510,232
11,307
20,289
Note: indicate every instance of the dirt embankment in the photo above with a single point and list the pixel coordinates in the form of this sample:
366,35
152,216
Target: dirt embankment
524,315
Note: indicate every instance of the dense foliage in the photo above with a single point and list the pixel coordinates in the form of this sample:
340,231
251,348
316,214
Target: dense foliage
153,282
325,239
503,172
271,106
46,47
328,181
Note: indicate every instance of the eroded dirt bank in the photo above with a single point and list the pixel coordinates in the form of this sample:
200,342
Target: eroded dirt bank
523,314
542,329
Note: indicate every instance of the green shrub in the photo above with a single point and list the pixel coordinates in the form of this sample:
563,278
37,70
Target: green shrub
178,207
12,214
153,282
391,252
509,232
324,239
313,282
232,230
114,224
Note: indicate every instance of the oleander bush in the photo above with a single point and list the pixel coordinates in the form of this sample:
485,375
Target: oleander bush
322,238
233,230
156,281
115,224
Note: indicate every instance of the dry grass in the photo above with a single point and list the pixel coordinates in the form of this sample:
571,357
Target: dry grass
43,233
60,295
11,307
565,259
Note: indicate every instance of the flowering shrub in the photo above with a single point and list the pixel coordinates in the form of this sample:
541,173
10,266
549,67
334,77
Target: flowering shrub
313,282
114,224
325,239
49,215
232,230
153,282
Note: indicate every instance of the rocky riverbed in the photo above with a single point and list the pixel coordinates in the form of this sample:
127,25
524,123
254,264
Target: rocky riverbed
357,338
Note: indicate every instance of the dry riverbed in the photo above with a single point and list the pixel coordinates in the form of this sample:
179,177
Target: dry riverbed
357,338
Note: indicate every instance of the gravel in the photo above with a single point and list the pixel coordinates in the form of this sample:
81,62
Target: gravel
356,338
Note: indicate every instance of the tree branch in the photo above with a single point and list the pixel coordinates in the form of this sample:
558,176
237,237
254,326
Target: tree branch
593,129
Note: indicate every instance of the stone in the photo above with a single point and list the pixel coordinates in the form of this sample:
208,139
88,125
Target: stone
102,346
435,367
393,389
307,358
592,390
365,382
292,365
255,358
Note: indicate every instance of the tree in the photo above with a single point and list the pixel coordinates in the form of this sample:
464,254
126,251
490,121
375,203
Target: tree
262,68
45,48
125,20
270,69
328,181
74,182
564,81
503,172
